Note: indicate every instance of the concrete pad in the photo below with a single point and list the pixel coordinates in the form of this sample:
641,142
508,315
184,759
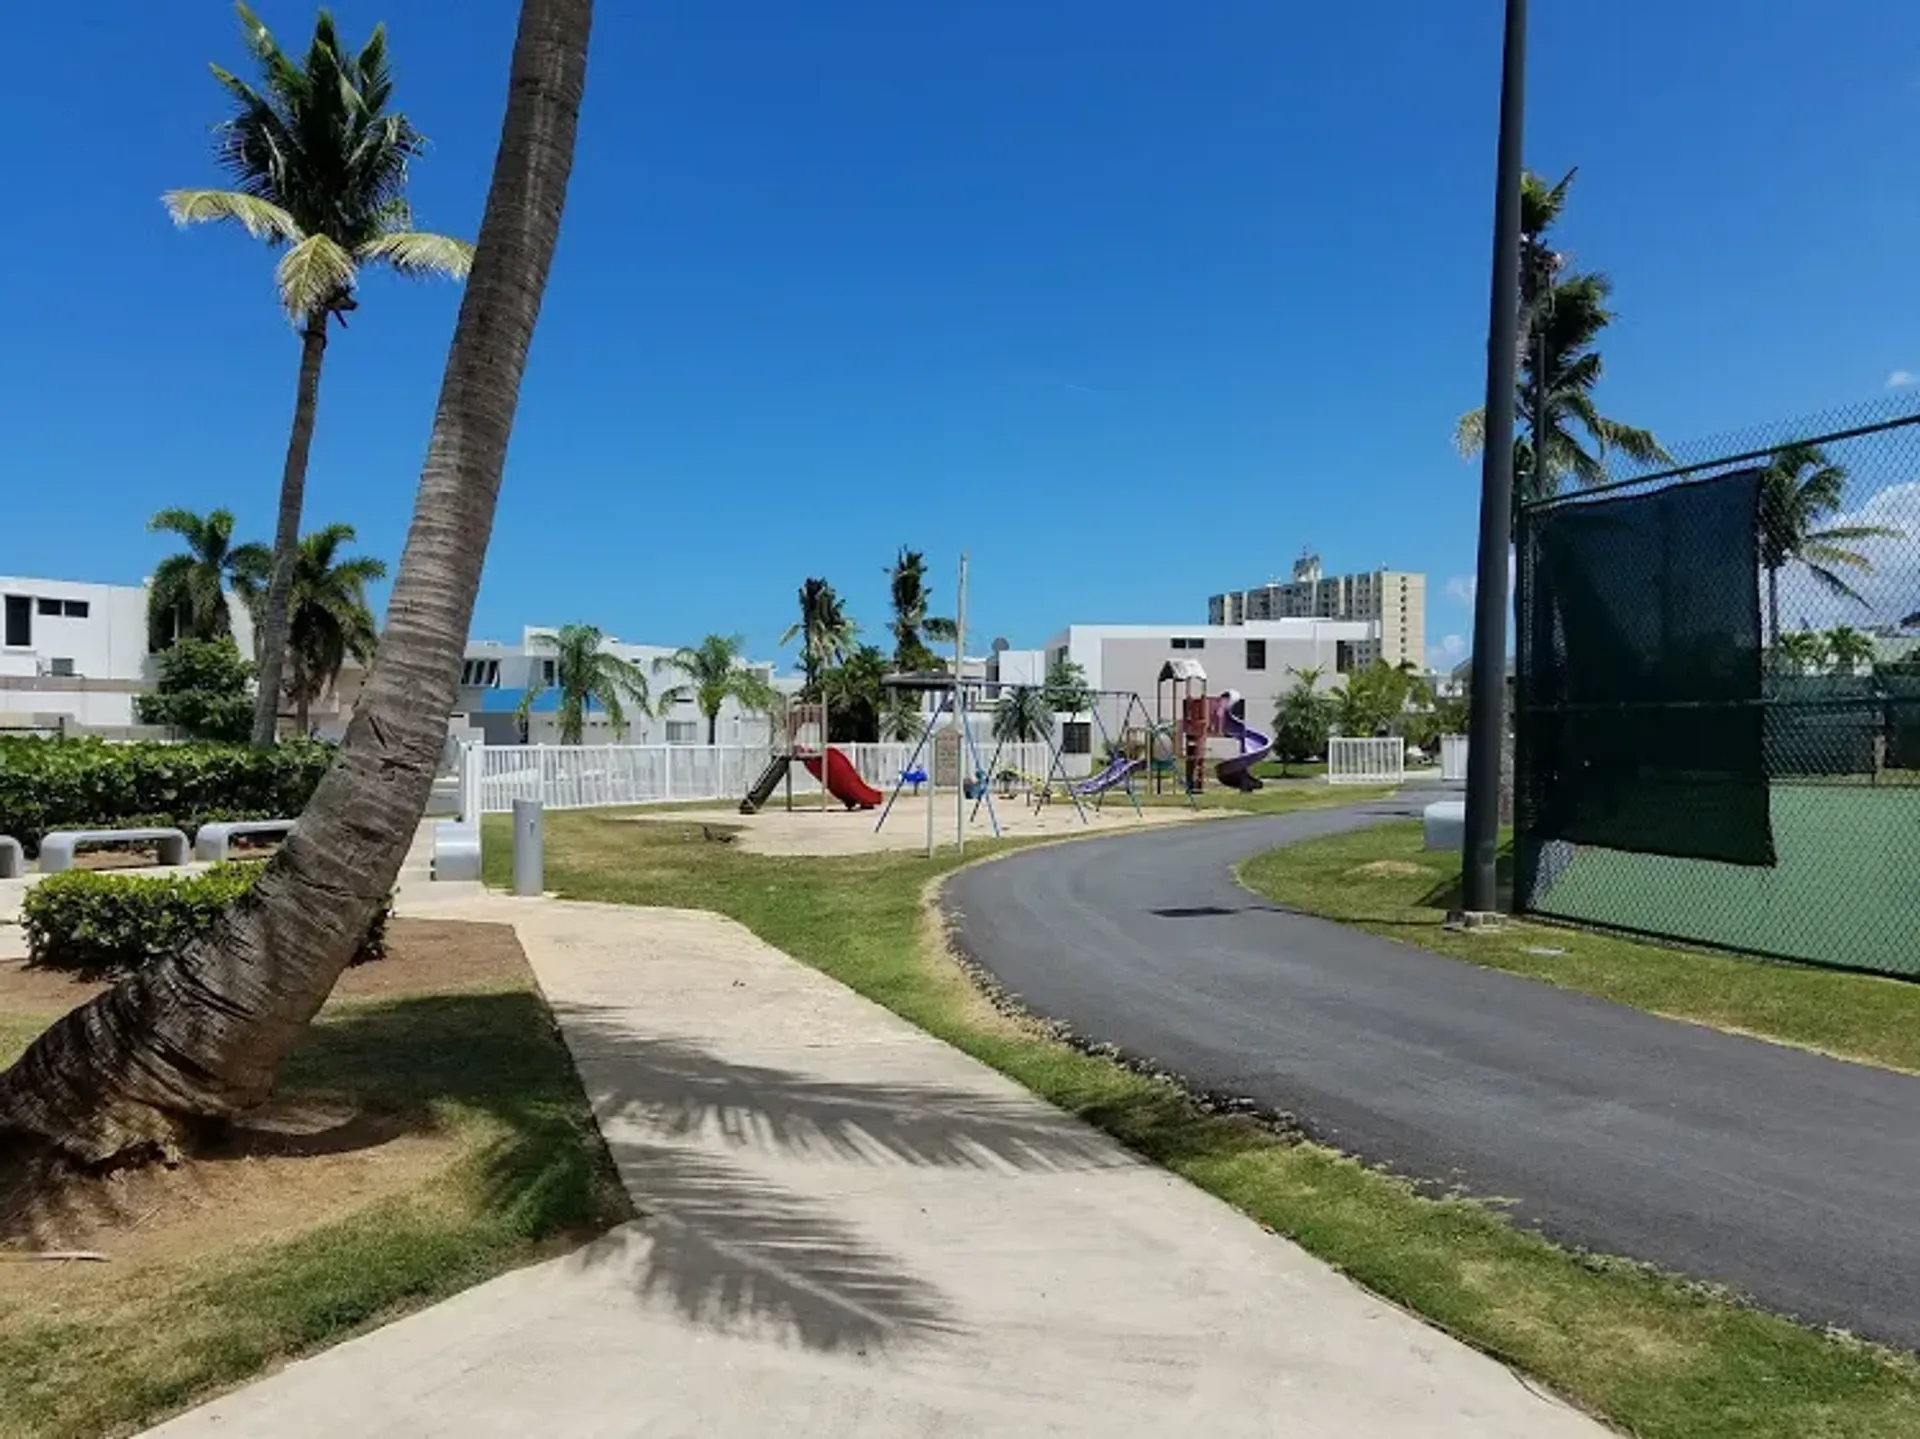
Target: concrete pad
851,1229
1445,824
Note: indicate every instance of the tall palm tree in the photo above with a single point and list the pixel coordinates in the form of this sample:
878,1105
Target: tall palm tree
199,1035
715,673
1799,489
825,631
856,695
188,597
1570,311
912,625
328,621
902,719
587,677
319,161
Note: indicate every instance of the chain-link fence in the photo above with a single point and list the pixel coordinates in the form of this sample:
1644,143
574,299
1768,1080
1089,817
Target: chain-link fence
1717,703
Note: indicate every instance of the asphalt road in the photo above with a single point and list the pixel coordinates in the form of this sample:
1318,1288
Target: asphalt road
1787,1176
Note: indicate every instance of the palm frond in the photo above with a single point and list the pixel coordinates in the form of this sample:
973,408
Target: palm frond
1835,583
260,218
417,253
1470,433
313,277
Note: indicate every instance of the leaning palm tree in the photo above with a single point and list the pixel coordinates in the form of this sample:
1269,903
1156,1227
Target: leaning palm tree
319,160
824,629
714,673
587,676
198,1036
188,596
912,625
1799,489
328,622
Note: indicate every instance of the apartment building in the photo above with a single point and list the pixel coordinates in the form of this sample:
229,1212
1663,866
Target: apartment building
1394,600
495,676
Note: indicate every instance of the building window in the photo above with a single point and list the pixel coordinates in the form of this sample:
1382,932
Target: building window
1076,737
76,609
548,668
683,731
49,607
19,622
1183,642
1343,657
480,674
1256,654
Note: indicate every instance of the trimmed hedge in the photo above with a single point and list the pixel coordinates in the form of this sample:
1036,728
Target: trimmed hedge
48,785
98,924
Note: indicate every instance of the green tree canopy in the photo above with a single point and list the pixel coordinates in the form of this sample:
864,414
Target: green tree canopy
329,620
714,672
1066,687
204,691
825,631
587,678
912,625
188,597
1800,489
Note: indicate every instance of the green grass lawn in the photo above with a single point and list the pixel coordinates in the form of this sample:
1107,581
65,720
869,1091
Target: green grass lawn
1274,797
1382,880
1656,1356
478,1154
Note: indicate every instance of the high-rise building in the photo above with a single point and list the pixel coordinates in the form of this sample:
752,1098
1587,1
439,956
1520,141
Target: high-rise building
1393,600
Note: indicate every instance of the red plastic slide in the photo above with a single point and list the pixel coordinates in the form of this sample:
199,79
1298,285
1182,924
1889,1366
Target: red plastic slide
844,782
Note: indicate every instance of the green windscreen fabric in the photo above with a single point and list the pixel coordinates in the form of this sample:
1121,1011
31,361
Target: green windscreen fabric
1641,725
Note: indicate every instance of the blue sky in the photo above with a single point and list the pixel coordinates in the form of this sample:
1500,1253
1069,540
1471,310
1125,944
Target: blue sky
1132,298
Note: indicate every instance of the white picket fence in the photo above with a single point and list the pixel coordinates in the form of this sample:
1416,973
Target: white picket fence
1453,758
1352,760
492,777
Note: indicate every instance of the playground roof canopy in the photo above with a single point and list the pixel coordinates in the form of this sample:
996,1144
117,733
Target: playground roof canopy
1181,670
922,680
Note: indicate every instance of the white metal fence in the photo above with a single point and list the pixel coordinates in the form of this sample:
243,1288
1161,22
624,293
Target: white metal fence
1366,761
603,776
1453,758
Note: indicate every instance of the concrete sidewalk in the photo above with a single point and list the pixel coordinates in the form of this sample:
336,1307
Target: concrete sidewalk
851,1229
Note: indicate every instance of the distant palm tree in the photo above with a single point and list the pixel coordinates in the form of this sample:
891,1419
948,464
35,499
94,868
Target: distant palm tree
1571,310
320,161
1799,489
1802,652
587,677
901,717
715,673
856,697
188,597
329,621
912,625
1022,715
824,629
1852,651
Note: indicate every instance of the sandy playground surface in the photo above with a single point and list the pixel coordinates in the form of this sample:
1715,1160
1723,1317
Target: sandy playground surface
811,830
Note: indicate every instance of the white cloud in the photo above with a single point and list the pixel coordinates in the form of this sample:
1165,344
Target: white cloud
1448,653
1461,588
1898,378
1891,590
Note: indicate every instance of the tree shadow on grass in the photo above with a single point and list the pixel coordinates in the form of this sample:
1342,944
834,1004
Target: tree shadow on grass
719,1239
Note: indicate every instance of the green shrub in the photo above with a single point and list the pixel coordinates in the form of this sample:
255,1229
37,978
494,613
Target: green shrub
49,784
204,691
102,925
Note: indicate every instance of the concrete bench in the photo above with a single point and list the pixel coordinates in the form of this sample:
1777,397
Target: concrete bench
13,859
56,849
214,840
1445,824
456,851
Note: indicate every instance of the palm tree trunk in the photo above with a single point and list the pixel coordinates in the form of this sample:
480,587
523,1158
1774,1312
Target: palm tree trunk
1773,607
272,639
199,1035
713,728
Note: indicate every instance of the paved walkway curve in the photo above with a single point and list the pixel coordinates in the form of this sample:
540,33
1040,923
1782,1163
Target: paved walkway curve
1786,1175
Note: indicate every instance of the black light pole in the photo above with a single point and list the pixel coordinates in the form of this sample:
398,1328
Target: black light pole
1487,725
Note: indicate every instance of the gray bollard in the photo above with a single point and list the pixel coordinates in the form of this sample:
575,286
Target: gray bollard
529,848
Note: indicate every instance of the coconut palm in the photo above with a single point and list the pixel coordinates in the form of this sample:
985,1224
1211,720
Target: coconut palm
715,673
824,629
328,621
1802,652
856,694
1570,311
1852,651
198,1036
587,677
912,625
1799,489
319,161
188,596
902,720
1022,714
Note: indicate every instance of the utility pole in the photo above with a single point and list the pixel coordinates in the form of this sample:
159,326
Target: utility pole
1487,728
959,713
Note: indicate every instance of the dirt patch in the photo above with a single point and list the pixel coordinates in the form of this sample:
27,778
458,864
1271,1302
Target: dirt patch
425,956
1392,869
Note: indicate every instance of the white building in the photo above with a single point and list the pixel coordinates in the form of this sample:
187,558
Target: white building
496,676
75,654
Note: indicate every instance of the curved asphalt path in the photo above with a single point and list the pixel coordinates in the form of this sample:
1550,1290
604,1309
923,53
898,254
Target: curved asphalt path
1783,1174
